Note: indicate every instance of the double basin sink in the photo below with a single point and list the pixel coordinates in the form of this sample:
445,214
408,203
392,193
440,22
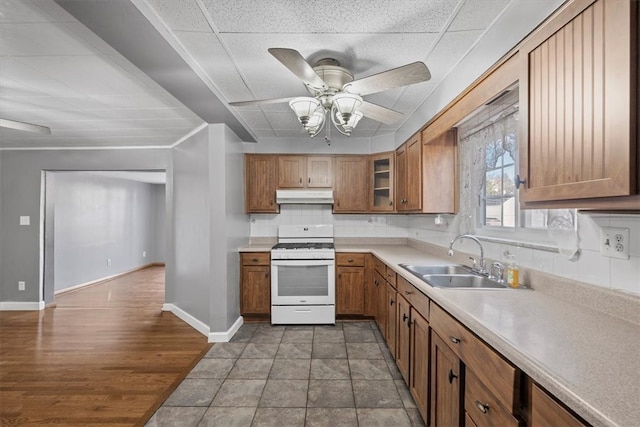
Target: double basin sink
452,276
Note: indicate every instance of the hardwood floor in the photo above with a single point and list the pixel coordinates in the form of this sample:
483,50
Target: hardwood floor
104,355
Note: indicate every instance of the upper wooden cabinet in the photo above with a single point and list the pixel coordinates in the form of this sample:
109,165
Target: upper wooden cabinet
351,183
439,173
260,183
408,175
382,182
578,104
305,172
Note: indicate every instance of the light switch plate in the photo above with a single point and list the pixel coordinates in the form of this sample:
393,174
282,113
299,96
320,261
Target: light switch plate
614,242
25,220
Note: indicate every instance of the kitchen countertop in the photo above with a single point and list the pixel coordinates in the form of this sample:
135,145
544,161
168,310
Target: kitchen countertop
587,359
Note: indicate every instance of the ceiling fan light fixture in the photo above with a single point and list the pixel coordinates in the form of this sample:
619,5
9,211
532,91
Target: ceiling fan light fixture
346,104
316,122
304,107
353,122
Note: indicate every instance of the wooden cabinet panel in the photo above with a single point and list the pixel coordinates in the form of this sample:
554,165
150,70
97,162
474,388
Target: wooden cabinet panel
292,171
260,184
546,412
381,305
381,190
370,290
351,183
350,290
392,319
498,375
414,174
255,258
403,337
439,173
390,276
578,102
380,266
482,406
255,289
446,385
419,358
401,178
319,172
350,259
417,299
468,422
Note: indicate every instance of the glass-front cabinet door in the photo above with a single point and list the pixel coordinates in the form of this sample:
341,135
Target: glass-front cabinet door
382,182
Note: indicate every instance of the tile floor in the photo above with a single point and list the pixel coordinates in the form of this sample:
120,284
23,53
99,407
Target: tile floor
294,375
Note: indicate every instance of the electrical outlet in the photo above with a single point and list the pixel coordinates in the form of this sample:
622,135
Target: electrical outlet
21,285
108,262
614,242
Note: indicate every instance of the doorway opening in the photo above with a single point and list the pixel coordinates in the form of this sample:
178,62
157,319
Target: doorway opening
100,224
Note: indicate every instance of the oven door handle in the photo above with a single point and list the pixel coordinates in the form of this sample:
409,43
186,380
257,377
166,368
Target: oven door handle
302,262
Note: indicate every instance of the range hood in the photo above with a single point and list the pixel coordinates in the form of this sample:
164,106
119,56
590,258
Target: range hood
304,196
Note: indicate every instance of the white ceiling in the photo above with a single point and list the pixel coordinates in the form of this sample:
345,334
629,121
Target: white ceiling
57,73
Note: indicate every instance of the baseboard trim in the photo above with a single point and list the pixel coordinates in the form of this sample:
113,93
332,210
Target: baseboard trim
187,318
104,279
21,306
226,336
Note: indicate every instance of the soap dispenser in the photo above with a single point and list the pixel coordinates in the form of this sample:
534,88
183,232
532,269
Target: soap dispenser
513,272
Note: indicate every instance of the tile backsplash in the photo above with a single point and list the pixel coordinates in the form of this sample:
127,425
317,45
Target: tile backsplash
589,267
265,225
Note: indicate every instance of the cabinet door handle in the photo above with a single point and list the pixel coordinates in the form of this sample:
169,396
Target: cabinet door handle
266,275
350,260
483,407
454,340
339,276
519,181
300,180
404,317
390,202
452,376
254,259
309,180
408,292
391,302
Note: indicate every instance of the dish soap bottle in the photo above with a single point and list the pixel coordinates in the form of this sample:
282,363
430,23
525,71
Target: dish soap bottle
513,273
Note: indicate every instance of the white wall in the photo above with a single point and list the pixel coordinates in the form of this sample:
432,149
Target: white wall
159,222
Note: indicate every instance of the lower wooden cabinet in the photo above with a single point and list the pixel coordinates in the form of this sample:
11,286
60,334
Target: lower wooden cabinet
350,290
546,412
403,337
446,384
350,283
419,368
392,319
381,303
255,284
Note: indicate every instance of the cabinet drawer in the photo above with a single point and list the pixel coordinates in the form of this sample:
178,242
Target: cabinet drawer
482,406
350,259
255,258
499,376
416,298
390,276
380,266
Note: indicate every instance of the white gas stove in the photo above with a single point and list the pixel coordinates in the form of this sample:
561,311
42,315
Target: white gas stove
303,275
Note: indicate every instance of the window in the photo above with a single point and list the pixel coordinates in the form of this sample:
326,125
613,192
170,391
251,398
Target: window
488,144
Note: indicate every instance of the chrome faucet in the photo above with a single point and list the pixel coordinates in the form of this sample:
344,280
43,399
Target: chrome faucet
481,268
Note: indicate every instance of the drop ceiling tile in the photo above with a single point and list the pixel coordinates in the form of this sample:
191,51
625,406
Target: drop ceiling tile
180,15
329,16
477,15
122,123
284,120
28,103
264,133
414,96
449,51
14,69
206,49
256,119
287,133
25,11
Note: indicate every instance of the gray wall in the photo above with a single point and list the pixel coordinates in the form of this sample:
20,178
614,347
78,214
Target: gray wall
209,226
190,252
99,218
159,221
20,191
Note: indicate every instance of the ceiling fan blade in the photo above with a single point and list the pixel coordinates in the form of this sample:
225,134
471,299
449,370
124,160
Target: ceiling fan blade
406,75
296,63
260,102
379,113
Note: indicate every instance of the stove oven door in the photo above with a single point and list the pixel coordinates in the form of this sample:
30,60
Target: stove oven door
303,282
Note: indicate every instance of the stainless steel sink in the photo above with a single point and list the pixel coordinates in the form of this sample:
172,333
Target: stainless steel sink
462,281
422,270
452,276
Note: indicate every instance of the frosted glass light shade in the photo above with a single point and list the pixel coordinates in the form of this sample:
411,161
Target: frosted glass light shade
346,104
304,107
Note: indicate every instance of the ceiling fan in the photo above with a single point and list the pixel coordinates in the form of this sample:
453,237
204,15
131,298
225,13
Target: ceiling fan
336,96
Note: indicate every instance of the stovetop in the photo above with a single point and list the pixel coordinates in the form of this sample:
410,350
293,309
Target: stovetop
302,246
